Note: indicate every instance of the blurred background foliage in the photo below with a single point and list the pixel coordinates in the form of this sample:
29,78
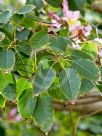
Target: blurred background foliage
92,126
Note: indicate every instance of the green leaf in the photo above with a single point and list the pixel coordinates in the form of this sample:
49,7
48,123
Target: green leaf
17,19
58,43
43,113
5,79
29,1
22,35
26,104
22,84
5,43
31,21
28,22
38,19
5,17
56,92
70,83
44,79
43,64
91,49
38,3
8,30
25,66
2,81
78,54
77,4
2,101
55,3
24,47
44,55
9,92
39,39
86,85
86,68
7,59
26,9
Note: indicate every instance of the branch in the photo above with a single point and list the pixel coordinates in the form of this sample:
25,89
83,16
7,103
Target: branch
84,104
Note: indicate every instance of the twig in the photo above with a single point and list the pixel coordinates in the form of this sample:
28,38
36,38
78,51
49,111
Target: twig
90,96
88,101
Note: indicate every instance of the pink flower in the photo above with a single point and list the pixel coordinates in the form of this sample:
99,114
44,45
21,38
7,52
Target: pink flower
74,24
13,116
71,18
54,16
55,20
68,14
87,29
17,118
65,8
12,112
74,27
81,32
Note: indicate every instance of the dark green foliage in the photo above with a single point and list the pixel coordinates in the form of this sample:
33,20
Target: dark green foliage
39,63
